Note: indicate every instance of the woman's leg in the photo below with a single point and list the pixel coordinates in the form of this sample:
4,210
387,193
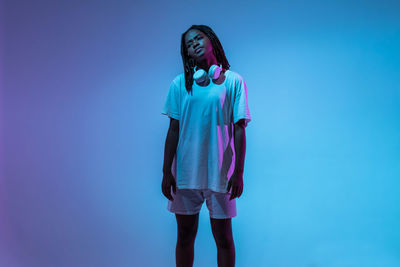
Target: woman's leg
222,232
187,230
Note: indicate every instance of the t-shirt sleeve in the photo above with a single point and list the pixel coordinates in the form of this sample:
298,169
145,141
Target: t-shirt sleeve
240,104
171,104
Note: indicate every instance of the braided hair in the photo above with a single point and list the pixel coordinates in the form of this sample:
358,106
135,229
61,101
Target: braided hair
190,63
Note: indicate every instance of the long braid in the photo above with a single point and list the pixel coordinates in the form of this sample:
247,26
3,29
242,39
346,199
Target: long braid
189,63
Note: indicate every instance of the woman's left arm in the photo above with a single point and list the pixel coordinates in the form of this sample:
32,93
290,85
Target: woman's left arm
236,181
240,146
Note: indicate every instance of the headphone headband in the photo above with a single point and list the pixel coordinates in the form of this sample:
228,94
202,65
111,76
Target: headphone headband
201,75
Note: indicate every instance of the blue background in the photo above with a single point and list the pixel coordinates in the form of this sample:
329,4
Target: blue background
82,135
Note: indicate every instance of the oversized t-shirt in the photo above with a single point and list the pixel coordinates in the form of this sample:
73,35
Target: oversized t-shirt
205,155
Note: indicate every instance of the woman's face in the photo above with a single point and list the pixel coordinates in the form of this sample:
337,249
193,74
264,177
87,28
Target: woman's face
198,45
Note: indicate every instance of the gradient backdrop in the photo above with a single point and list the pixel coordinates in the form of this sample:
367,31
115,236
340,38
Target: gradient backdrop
82,135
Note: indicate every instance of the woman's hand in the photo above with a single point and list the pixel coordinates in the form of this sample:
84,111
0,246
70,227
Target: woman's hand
236,183
167,182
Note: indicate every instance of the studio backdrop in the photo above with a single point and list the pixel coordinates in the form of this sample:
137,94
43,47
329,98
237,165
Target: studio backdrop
83,84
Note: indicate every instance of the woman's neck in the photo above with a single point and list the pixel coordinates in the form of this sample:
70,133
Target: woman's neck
207,63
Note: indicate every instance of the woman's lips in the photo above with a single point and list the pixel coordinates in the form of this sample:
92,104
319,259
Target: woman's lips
198,50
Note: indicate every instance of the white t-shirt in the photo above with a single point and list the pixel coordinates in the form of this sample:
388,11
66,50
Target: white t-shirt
205,155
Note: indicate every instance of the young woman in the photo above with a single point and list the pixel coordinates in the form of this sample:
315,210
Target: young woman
206,143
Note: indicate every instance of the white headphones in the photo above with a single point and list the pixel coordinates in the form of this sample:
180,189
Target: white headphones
201,75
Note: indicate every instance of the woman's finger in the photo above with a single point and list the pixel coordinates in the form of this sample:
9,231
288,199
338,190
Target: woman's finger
167,192
174,186
229,186
234,192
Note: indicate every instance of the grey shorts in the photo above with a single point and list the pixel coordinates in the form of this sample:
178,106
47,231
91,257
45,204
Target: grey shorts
190,201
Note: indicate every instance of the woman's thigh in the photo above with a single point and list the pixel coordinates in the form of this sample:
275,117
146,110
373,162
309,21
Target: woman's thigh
187,227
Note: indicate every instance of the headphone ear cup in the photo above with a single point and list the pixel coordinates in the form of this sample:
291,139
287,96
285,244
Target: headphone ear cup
200,75
214,71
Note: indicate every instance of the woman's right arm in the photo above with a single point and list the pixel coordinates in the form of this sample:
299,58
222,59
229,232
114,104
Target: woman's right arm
169,152
171,144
